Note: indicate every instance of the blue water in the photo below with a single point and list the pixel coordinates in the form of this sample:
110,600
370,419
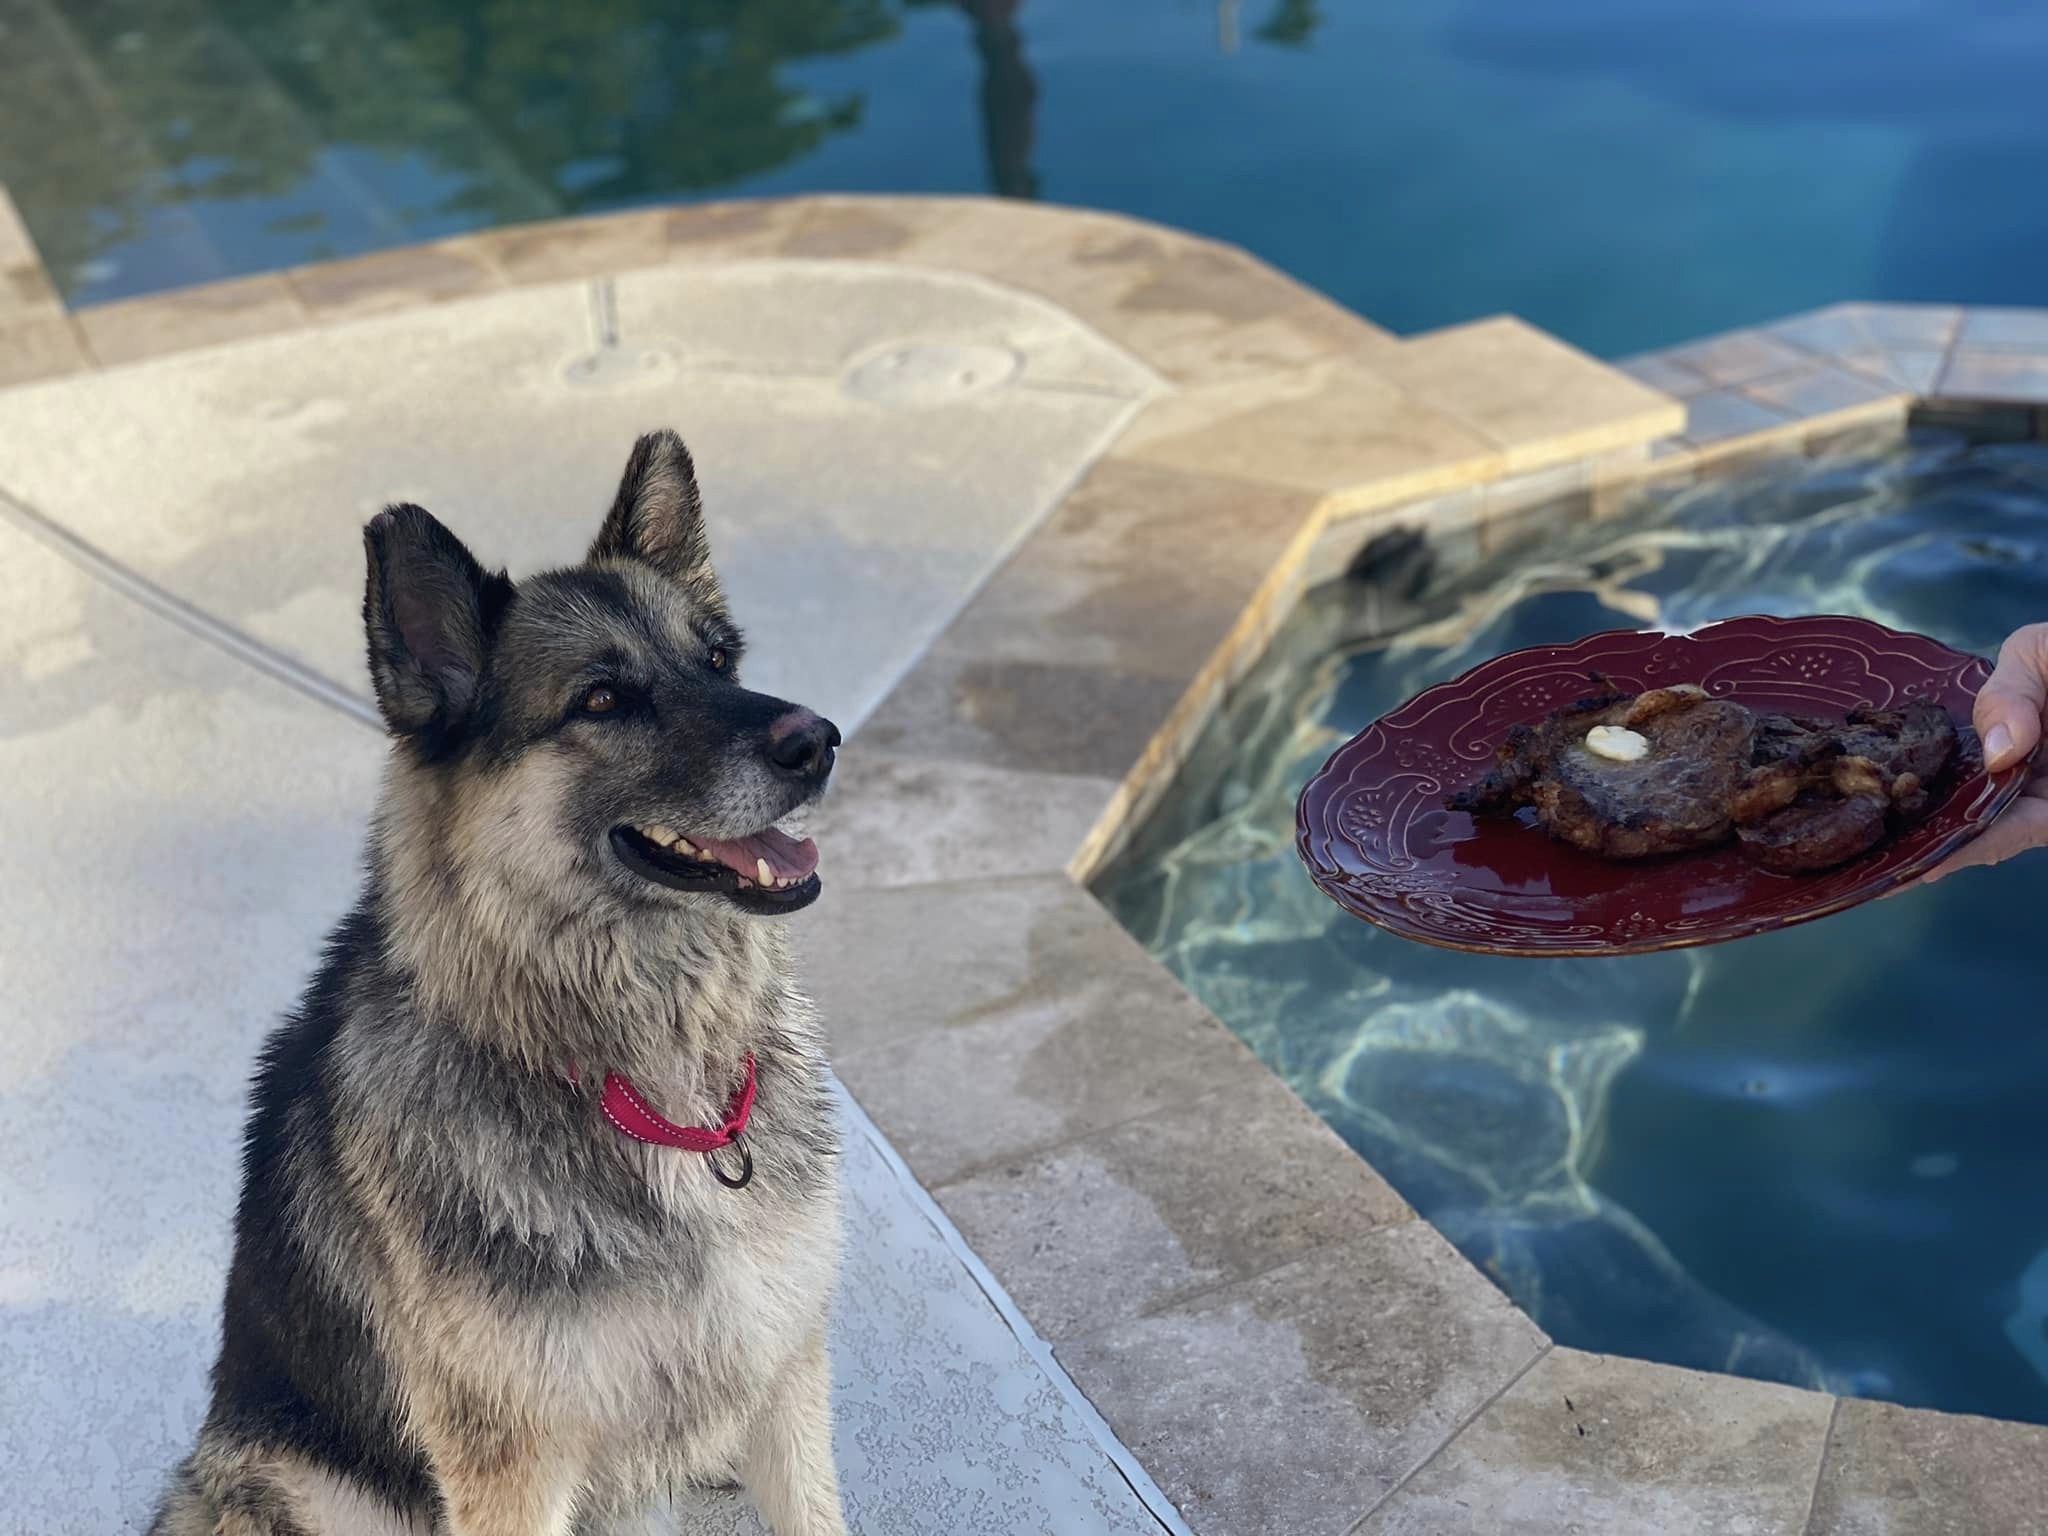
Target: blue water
1625,173
1816,1156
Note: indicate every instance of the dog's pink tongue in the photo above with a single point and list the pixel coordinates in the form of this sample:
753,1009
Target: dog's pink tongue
787,858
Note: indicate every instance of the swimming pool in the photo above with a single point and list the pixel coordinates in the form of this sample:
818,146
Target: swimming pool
1812,1157
1624,175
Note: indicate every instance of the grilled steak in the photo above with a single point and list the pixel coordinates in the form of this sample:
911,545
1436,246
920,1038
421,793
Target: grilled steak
1675,799
1802,793
1821,794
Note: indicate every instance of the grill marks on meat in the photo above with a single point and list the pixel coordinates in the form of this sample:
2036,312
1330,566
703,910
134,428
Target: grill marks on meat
1828,792
1801,793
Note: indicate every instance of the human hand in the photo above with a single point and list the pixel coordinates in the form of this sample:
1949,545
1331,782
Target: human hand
2011,714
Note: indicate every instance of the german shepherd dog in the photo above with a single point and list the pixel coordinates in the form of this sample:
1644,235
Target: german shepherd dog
474,1292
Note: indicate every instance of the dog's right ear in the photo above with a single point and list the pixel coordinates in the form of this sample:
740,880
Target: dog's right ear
427,612
657,517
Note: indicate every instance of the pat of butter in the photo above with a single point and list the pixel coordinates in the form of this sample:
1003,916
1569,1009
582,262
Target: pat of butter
1617,744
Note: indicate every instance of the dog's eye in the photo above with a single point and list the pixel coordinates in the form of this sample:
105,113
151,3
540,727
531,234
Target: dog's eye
719,659
601,700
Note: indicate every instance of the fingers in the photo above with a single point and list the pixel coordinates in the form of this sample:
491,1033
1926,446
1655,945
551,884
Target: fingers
2011,708
2022,827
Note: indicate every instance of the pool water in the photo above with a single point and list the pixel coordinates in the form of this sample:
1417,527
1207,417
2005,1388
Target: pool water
1625,173
1816,1156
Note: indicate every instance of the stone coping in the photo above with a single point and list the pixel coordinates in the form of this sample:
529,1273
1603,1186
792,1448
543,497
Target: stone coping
1263,1321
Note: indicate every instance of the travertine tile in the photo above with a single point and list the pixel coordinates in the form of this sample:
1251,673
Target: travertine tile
1974,375
1129,1219
1606,1447
1037,716
2002,330
1334,428
1835,332
394,280
1910,327
1895,1471
869,228
17,249
39,345
1288,1404
700,232
1096,1033
193,317
1030,936
911,818
1817,389
1141,569
1739,357
1659,372
1724,413
593,246
1539,400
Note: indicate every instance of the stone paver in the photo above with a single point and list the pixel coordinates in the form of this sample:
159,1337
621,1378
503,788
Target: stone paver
1817,389
1999,330
35,345
1339,427
1895,1472
1141,571
1738,357
1537,399
1095,1032
1606,1447
1288,1405
1726,413
1130,1219
910,819
194,317
393,280
584,247
1988,375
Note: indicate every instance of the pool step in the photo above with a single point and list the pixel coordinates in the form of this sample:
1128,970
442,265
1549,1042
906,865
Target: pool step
1540,402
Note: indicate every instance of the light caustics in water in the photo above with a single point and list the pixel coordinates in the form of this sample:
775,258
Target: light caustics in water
1509,1100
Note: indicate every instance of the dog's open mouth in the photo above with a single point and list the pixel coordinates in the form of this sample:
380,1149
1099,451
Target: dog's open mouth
768,872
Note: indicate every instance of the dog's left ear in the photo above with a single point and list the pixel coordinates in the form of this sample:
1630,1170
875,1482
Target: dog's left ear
657,517
428,609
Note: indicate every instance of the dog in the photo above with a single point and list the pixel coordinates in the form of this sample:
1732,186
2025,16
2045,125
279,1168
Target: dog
483,1284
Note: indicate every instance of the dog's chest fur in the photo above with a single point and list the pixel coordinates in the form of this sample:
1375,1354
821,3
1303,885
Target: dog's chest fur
614,1293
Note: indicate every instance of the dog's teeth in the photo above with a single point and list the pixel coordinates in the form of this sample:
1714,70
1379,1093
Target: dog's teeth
684,845
761,869
662,835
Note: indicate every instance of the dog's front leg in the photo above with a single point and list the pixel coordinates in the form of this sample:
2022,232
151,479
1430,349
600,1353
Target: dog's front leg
498,1478
787,1463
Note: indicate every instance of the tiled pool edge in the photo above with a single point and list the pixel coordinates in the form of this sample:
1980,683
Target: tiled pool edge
1062,1098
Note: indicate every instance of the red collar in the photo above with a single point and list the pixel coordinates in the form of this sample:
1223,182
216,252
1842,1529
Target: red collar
633,1116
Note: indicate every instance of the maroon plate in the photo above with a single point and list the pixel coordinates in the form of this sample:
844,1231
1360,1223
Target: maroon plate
1373,830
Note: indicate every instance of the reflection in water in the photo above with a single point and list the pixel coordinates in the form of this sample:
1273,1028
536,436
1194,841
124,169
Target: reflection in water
1008,95
1625,177
1811,1157
235,135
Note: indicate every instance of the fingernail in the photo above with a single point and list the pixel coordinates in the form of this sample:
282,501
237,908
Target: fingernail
1997,744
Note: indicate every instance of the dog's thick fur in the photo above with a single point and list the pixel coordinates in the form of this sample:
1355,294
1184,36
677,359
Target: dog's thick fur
460,1301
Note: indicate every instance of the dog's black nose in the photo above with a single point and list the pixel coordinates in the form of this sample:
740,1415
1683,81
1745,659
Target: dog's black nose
802,743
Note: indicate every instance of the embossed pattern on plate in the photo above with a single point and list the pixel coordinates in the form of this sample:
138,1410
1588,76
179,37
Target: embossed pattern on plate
1373,830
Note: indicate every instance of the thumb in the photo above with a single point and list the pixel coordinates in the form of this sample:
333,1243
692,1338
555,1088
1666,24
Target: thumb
2011,705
